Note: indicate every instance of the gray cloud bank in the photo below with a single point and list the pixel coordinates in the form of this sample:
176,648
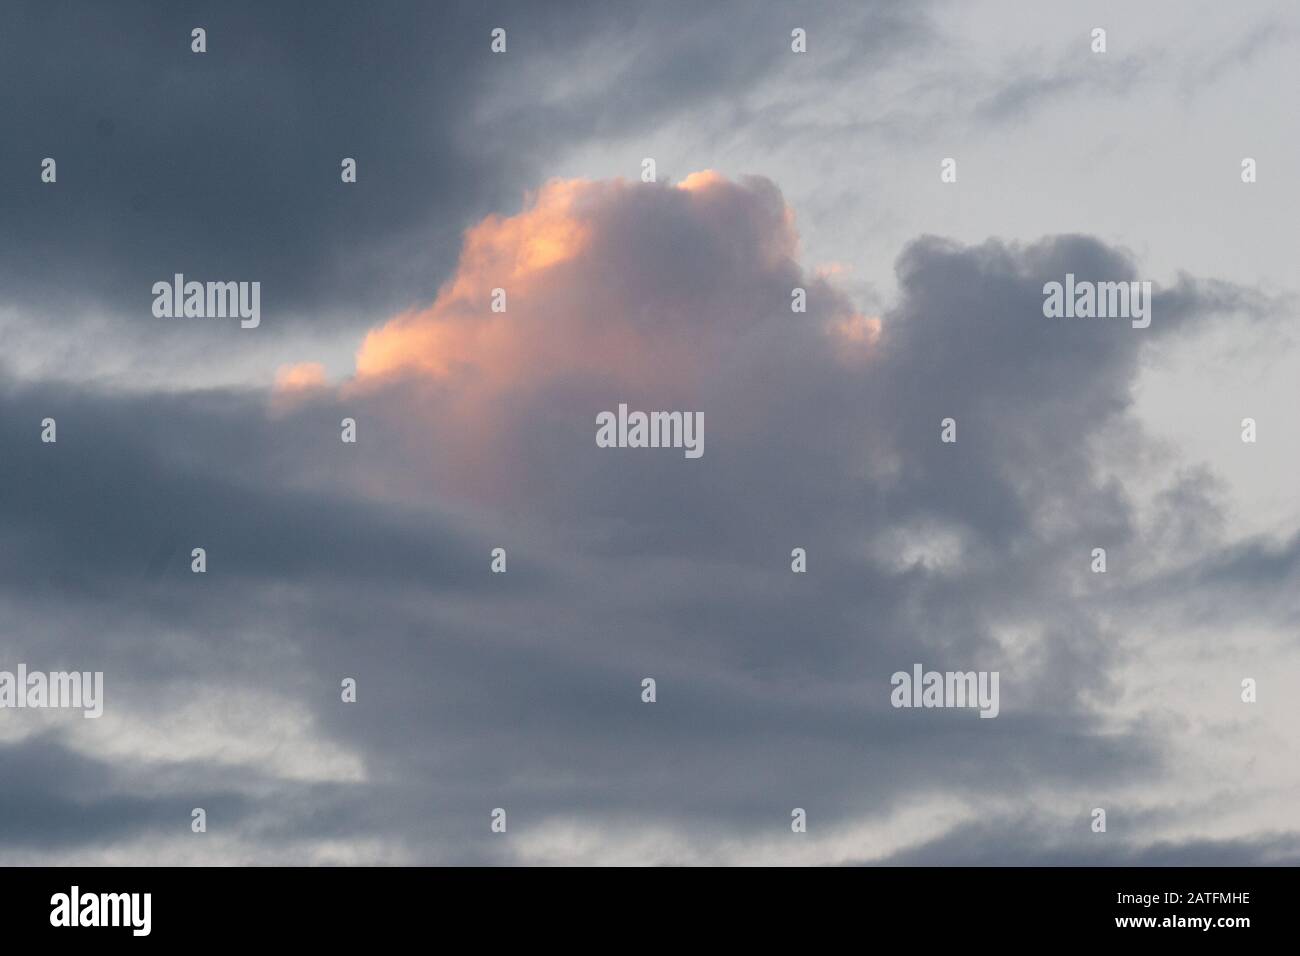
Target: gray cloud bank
522,690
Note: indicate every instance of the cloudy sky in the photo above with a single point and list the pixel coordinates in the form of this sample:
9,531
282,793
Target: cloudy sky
476,429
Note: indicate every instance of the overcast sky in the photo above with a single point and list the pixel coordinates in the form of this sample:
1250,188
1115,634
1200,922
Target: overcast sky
476,430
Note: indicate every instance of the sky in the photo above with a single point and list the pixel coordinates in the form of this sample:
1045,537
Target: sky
371,561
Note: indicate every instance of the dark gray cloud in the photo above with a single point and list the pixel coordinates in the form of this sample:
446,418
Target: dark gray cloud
52,798
226,165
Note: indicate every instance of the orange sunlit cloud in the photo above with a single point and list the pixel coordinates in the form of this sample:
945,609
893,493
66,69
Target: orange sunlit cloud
459,330
567,309
699,181
613,289
300,376
856,336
